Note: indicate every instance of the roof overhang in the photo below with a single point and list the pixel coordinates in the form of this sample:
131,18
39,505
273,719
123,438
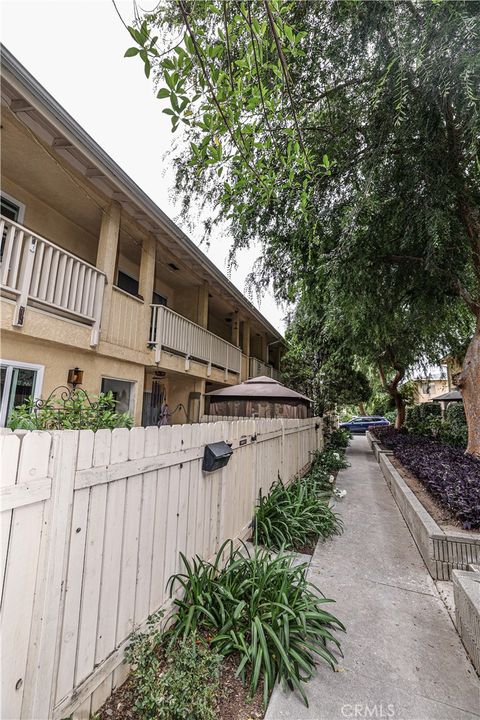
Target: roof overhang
37,109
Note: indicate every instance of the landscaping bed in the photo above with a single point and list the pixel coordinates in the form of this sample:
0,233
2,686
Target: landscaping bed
450,478
247,620
231,703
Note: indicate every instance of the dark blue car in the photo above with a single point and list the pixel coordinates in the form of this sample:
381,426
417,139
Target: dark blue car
362,423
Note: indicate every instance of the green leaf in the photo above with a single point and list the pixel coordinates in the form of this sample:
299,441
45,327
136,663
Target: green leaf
131,52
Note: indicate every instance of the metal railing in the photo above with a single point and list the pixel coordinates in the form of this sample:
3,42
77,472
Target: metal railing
34,271
256,367
172,331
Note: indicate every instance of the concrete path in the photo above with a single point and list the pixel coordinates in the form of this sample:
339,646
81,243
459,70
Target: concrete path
402,656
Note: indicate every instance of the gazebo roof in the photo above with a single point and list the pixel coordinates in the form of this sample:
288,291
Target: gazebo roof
453,395
259,387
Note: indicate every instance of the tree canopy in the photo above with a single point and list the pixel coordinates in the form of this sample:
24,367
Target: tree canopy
344,137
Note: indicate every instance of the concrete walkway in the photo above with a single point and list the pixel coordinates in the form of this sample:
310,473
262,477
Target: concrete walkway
402,656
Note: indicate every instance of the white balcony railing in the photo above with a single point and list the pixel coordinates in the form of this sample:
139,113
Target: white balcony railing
256,367
34,271
172,331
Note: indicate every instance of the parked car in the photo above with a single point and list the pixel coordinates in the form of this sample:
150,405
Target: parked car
361,423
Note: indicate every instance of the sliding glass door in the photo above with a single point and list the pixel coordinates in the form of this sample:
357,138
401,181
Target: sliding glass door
18,381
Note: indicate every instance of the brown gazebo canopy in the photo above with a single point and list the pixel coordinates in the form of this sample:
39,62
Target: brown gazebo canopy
261,396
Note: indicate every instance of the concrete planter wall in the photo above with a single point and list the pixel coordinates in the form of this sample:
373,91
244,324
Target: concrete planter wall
442,551
376,446
466,592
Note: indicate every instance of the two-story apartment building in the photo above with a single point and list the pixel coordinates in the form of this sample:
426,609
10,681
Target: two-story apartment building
95,276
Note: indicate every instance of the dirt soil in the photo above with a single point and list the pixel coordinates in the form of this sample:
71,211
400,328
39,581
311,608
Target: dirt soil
441,515
233,702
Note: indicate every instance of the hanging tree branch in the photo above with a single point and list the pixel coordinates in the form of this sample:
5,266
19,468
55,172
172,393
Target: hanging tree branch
216,102
286,75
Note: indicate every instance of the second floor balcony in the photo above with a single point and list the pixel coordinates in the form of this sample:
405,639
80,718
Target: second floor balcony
36,272
256,368
173,332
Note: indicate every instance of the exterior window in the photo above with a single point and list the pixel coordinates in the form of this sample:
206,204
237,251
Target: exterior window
122,391
11,208
158,299
127,283
18,381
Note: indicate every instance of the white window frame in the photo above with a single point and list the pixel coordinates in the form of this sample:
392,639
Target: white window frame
131,407
21,206
10,365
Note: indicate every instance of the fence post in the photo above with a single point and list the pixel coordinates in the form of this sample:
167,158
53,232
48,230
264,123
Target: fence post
43,664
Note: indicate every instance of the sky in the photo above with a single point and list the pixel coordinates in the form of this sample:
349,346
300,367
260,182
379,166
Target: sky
75,49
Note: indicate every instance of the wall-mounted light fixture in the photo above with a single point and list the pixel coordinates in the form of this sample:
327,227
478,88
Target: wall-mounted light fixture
216,456
75,377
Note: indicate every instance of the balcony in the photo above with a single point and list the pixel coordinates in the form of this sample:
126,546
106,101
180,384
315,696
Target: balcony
256,367
34,271
173,332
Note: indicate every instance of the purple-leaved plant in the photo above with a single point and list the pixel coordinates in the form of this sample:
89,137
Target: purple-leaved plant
449,475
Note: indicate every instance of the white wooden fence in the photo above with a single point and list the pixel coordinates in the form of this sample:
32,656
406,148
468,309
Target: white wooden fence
35,271
92,526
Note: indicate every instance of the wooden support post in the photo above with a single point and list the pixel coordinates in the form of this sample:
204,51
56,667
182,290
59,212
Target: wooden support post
146,280
235,329
107,255
22,298
202,313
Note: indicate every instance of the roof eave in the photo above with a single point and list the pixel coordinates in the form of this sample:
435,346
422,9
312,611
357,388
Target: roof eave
117,175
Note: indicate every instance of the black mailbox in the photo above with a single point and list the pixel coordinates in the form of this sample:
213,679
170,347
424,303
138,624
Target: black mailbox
216,456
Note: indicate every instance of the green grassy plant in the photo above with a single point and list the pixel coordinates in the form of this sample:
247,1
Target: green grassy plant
295,515
261,608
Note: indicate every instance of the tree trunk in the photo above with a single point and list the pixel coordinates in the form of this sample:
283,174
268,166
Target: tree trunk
392,389
361,408
469,382
400,408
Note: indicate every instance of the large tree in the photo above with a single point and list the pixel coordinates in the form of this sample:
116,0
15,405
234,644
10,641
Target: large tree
343,136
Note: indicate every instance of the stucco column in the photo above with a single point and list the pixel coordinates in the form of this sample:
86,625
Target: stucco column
202,315
107,255
264,348
246,338
146,280
235,329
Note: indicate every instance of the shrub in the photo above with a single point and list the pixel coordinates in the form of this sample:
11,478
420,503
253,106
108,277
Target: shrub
293,516
339,438
76,412
262,609
176,682
454,429
452,477
330,460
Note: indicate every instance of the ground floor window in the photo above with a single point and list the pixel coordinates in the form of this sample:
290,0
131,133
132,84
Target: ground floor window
123,392
18,381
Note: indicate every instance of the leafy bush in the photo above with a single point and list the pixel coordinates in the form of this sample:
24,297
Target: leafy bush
452,477
339,438
391,416
262,609
454,429
177,681
330,459
426,420
293,516
75,412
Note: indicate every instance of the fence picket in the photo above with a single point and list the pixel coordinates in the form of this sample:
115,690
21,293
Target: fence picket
85,566
20,577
